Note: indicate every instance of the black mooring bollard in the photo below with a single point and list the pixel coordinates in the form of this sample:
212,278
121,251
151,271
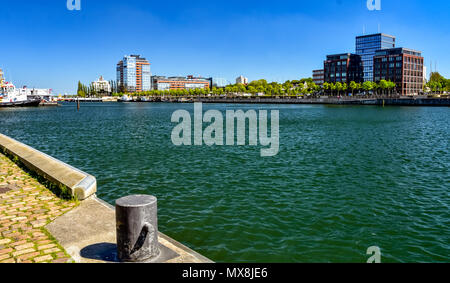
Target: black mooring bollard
137,228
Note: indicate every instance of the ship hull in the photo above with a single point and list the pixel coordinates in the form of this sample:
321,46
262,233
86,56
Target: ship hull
28,103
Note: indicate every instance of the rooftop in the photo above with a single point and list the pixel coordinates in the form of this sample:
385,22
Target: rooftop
398,50
375,34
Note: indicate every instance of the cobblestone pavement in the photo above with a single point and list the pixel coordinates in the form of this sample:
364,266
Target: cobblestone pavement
26,206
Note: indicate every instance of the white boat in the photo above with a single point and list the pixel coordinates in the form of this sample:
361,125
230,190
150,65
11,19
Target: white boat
125,98
11,97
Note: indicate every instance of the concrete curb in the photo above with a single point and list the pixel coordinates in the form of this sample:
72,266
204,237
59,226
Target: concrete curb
80,184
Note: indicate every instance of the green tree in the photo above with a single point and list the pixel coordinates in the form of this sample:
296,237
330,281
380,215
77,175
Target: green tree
81,92
326,87
338,88
353,86
391,87
344,88
383,85
367,87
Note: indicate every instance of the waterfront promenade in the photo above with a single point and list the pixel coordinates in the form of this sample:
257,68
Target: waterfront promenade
37,226
26,206
381,101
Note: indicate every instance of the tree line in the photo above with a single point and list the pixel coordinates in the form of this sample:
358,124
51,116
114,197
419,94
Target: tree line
90,91
297,88
437,84
302,87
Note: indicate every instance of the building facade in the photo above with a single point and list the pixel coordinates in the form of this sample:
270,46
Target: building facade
425,74
368,45
174,83
242,80
133,74
36,93
101,86
219,82
402,66
318,77
343,68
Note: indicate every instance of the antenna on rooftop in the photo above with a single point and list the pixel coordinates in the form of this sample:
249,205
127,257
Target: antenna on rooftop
379,28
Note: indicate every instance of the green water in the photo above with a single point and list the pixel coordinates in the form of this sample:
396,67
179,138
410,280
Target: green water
346,178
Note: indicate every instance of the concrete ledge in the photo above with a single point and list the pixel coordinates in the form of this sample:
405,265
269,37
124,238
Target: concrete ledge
80,184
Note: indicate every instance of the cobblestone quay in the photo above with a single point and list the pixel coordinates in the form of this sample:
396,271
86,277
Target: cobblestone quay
26,206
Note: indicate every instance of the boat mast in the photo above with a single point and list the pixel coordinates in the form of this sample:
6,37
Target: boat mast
2,84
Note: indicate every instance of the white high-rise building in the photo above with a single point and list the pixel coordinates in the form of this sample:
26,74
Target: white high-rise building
102,86
242,80
133,73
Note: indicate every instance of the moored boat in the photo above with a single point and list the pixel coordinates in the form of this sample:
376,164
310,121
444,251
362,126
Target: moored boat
125,98
11,97
28,103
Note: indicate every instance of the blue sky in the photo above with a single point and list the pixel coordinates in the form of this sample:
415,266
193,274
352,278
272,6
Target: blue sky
45,45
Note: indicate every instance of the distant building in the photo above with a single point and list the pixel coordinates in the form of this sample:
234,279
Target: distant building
133,73
1,76
173,83
318,77
101,86
367,45
343,68
425,75
242,80
36,93
402,66
219,82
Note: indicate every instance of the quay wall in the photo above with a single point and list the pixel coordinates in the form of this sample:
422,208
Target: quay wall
88,232
67,179
334,101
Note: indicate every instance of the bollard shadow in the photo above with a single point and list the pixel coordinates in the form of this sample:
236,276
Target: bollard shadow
102,251
108,252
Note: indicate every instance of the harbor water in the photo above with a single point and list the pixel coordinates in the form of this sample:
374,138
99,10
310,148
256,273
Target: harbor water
346,178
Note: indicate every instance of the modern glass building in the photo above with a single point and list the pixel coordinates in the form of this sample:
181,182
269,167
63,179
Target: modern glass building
220,82
367,45
133,72
343,68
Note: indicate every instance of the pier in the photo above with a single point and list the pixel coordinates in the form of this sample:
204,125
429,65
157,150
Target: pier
49,212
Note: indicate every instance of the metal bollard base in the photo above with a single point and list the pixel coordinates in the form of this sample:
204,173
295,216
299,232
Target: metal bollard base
165,254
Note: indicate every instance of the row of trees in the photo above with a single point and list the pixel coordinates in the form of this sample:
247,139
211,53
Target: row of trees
437,84
384,87
289,88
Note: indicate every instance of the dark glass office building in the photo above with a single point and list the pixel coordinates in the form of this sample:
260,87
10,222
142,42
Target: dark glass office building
367,45
343,68
402,66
